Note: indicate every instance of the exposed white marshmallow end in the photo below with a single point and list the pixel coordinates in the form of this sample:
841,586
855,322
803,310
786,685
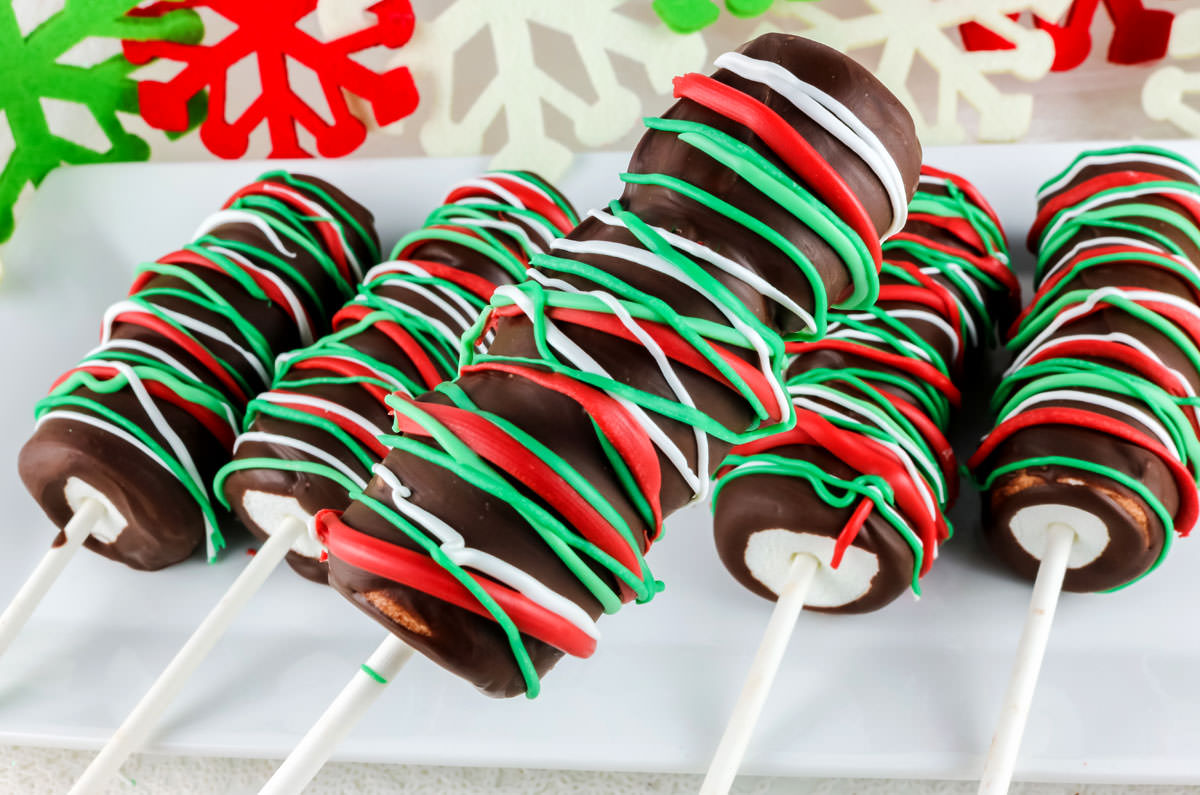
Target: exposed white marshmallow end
1031,525
769,554
107,527
268,512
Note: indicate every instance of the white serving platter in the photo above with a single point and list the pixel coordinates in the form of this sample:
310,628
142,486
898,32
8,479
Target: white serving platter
911,691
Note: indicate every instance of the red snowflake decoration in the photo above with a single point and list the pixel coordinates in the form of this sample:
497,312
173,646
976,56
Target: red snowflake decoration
1140,34
268,31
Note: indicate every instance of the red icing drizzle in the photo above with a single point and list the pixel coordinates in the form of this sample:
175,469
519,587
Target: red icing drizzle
1088,188
298,202
1140,363
195,349
920,370
787,144
1129,254
864,455
354,429
1189,507
672,345
617,425
507,454
531,198
416,570
212,421
413,349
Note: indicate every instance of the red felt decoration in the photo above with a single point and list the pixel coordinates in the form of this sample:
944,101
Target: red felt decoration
1140,34
269,33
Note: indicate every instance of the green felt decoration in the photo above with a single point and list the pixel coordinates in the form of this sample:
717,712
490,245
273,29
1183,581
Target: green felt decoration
32,72
689,16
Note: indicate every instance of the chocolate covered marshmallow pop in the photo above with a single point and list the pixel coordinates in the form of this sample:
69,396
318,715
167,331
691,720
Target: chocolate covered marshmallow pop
310,440
845,512
1092,466
520,501
128,440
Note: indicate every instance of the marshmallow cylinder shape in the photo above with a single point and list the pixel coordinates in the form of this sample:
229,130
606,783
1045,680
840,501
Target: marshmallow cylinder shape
520,501
146,419
863,481
1096,417
311,440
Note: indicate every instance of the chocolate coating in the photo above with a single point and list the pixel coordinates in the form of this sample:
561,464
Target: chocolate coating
1136,535
756,502
474,647
314,491
164,523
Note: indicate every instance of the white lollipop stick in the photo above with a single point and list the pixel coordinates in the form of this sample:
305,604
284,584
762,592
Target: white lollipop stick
131,735
738,730
1002,757
30,596
307,758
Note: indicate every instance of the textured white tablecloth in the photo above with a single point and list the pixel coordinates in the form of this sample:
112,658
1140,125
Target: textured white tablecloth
43,771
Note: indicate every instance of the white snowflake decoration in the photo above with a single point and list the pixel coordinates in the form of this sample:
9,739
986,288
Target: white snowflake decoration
519,86
1164,96
912,29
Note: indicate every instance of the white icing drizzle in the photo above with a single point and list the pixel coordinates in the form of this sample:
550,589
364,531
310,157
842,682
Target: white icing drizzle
1096,242
468,310
661,360
186,321
697,481
544,229
530,185
921,315
494,187
1120,338
660,265
508,227
318,211
1096,399
214,333
284,358
1088,304
927,497
295,307
1147,189
226,412
965,312
837,331
721,262
942,182
454,545
1121,157
319,454
292,399
838,120
158,423
452,336
107,427
153,351
902,441
243,217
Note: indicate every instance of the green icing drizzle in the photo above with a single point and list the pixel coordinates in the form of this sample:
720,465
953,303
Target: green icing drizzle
739,331
1128,149
862,388
872,487
1127,214
195,294
466,223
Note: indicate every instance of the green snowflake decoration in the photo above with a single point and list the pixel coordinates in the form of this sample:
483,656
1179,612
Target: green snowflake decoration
30,72
689,16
